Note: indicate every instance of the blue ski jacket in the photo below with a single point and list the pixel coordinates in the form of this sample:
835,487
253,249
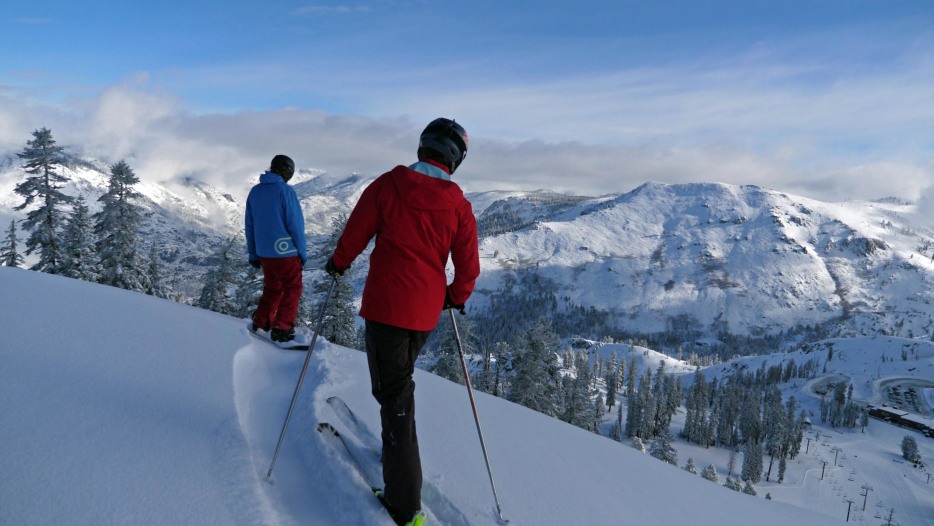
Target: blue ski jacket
275,225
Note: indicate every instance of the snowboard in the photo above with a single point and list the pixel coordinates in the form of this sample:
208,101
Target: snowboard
301,342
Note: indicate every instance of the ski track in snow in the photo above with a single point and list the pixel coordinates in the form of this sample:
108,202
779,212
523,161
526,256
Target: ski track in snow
262,404
438,507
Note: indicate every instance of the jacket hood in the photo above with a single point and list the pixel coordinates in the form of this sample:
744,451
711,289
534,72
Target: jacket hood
270,178
425,192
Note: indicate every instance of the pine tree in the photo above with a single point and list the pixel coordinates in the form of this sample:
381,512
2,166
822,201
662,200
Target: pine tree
248,293
340,317
492,381
752,461
219,282
710,473
775,426
117,227
617,432
42,158
631,378
447,361
79,254
154,284
910,451
596,417
612,380
579,395
662,449
535,383
638,444
731,464
696,423
749,489
691,466
9,253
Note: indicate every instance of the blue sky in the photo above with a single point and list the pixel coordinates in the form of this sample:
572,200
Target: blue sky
829,99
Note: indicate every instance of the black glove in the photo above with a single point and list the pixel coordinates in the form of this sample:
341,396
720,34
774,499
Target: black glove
449,304
254,263
332,269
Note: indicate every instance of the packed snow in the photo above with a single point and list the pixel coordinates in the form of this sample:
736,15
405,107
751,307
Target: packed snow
118,408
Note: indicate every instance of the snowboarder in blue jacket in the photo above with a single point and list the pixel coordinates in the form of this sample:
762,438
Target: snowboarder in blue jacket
275,241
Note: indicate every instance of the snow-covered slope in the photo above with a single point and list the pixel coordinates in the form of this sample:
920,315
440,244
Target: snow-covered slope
119,408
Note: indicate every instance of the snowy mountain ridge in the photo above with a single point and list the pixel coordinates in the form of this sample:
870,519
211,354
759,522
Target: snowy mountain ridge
697,260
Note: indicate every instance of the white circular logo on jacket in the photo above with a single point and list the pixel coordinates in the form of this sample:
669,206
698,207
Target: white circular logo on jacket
284,246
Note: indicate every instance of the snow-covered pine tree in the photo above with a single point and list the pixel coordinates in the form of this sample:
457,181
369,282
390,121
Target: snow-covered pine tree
611,380
79,254
631,378
617,432
117,227
535,382
596,415
9,250
662,449
447,361
43,185
731,464
752,461
634,412
710,473
248,292
154,278
691,466
910,451
638,444
219,282
696,422
733,484
749,488
578,393
648,407
490,379
340,317
775,427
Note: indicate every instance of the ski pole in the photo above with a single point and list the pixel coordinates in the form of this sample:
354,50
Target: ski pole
476,416
301,377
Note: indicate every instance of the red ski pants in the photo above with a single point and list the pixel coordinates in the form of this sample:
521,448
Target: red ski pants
282,290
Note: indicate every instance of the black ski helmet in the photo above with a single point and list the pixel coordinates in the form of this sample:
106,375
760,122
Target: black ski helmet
446,138
283,166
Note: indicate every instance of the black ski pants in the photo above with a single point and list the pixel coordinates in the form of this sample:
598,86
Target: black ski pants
391,353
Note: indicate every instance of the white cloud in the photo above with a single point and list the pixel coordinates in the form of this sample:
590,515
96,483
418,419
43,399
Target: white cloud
864,137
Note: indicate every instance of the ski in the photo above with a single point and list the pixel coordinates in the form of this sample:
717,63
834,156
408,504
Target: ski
346,450
368,448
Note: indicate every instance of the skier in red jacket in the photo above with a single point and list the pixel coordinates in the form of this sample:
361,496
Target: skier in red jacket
419,217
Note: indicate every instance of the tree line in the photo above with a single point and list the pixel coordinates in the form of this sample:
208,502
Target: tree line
66,238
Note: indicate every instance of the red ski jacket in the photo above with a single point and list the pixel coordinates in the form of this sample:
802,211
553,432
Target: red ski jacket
417,220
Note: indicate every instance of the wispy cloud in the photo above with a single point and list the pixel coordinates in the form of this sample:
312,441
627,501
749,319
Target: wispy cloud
324,10
800,116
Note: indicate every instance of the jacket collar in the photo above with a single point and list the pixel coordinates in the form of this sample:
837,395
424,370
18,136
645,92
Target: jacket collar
432,169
